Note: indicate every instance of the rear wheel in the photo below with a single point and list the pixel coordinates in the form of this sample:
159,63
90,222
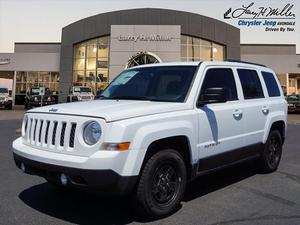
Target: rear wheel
162,184
272,151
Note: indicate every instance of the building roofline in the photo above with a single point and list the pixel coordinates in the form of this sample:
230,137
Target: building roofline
37,43
268,44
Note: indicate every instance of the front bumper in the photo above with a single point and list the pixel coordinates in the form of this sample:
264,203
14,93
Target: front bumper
5,103
293,109
101,172
98,181
37,104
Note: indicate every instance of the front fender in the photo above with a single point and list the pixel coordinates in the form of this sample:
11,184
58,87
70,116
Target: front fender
147,134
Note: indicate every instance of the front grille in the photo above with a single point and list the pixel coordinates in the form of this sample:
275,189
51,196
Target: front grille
2,98
47,133
72,135
85,97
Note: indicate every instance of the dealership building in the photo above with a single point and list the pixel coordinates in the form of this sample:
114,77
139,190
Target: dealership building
94,50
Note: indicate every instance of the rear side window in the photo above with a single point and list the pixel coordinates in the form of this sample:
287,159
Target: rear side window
220,77
271,84
250,83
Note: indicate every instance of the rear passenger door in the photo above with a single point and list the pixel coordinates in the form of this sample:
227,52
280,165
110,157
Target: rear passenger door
254,106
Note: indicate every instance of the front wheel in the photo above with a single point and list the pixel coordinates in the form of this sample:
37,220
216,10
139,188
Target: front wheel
162,184
272,151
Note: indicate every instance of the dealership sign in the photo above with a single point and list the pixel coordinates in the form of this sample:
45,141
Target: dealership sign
280,19
142,37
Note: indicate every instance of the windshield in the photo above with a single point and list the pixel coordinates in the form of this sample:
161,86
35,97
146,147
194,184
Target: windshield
161,83
36,91
82,89
293,97
3,90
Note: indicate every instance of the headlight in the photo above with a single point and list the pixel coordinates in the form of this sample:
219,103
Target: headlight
92,133
35,99
49,99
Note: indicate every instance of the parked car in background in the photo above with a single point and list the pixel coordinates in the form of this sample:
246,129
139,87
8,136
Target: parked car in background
35,97
80,93
5,98
293,103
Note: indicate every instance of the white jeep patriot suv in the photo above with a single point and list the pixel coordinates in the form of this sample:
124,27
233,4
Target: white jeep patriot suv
155,127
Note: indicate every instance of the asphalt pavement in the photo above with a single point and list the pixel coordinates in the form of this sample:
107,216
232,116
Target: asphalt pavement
235,196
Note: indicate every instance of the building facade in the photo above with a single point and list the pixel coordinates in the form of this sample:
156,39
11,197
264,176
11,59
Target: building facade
94,50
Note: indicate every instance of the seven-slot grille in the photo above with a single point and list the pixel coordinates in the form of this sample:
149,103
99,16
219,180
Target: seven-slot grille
50,133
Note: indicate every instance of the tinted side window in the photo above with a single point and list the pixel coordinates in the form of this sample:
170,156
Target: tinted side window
271,84
250,83
220,77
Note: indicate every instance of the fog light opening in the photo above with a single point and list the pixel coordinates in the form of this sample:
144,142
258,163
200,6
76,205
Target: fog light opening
23,168
63,179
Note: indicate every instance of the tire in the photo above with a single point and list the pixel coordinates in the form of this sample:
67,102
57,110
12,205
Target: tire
27,106
271,153
155,197
9,107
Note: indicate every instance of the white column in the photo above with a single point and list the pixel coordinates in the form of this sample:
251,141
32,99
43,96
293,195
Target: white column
287,84
14,88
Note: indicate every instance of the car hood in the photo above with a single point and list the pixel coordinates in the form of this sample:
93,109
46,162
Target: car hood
112,110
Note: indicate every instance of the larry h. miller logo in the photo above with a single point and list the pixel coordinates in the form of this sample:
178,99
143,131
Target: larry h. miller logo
261,12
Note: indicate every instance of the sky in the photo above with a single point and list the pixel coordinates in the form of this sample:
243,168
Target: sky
42,20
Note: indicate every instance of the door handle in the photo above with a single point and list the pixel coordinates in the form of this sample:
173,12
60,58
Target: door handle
265,109
237,113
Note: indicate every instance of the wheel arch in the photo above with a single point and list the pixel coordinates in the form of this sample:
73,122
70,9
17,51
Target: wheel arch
278,123
179,143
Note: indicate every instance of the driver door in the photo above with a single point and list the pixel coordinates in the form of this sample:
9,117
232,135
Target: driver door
221,125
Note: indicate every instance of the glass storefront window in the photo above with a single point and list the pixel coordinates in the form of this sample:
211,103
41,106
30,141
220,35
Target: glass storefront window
44,77
79,64
90,76
79,51
91,62
54,77
25,80
91,51
32,77
21,76
102,51
218,52
196,49
206,53
78,76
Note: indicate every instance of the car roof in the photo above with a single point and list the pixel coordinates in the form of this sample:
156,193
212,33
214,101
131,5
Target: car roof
234,63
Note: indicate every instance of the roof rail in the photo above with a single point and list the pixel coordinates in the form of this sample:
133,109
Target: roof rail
239,61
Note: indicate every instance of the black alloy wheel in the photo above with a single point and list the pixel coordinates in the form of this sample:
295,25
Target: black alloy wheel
272,151
161,185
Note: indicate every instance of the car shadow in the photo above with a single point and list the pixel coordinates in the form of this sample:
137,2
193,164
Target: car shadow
84,208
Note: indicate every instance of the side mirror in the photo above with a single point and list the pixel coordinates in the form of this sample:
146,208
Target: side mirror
212,95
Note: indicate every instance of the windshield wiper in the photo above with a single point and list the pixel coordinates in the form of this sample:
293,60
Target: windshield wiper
128,97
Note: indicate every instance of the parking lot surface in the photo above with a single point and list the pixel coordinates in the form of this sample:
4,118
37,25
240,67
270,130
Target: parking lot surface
238,195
